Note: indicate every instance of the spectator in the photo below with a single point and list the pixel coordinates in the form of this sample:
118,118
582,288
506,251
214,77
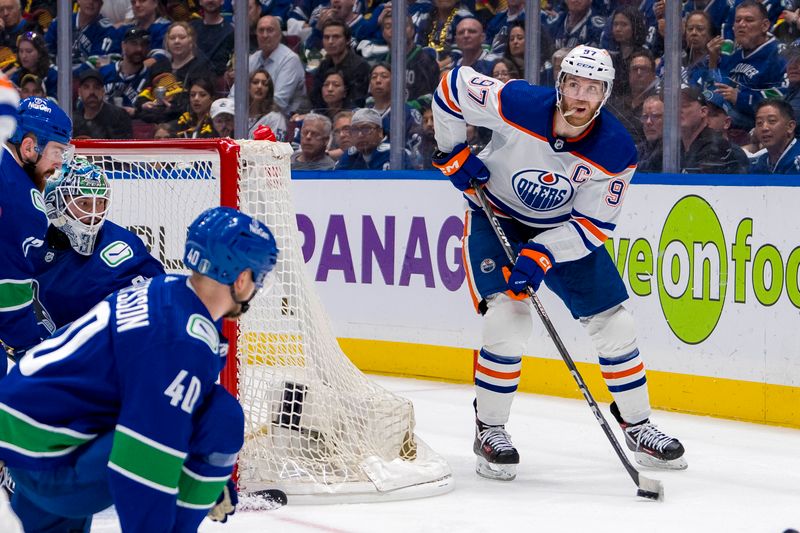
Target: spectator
93,35
628,33
342,138
222,116
436,28
314,137
164,101
579,24
697,34
147,16
253,14
515,51
772,10
127,77
34,59
555,62
196,121
380,88
504,70
792,57
12,25
775,130
428,144
754,70
334,94
263,110
368,152
281,63
179,10
165,130
422,71
180,42
498,26
470,51
335,36
214,35
717,11
703,150
343,10
651,150
642,82
96,118
31,85
720,121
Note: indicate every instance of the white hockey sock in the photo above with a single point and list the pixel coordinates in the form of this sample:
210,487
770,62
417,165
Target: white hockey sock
627,382
496,380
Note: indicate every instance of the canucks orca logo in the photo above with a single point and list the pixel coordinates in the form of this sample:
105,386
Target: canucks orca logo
542,190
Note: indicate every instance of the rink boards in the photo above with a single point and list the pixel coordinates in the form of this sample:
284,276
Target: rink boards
711,264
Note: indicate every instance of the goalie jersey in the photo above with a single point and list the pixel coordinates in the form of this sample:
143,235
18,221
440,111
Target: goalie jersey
69,284
139,365
23,224
573,186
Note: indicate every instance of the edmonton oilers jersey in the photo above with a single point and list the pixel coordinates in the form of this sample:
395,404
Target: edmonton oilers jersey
70,284
574,186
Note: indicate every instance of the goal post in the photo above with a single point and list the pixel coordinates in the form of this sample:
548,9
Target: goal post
316,427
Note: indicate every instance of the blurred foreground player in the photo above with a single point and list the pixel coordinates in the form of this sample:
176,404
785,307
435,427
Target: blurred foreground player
133,415
559,167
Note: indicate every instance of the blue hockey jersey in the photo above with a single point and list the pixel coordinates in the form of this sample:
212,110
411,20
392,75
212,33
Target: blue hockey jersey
788,162
139,365
587,31
23,224
70,284
573,187
98,38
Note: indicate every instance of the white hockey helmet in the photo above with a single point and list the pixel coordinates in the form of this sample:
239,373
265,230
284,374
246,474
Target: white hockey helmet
591,63
77,199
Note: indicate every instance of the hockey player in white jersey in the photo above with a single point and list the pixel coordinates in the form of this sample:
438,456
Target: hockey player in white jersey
555,172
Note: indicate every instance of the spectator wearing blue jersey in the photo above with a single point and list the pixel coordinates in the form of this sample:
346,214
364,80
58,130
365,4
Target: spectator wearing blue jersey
126,78
33,58
792,57
369,151
345,11
12,24
579,24
717,11
775,130
772,10
754,70
147,16
93,35
85,257
698,31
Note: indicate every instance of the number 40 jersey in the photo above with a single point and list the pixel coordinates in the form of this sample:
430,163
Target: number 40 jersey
573,185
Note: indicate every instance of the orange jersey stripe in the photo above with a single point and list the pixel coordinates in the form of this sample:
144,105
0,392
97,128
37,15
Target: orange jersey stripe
624,373
446,93
464,259
591,228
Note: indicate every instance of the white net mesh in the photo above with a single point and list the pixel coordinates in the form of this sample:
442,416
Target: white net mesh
315,425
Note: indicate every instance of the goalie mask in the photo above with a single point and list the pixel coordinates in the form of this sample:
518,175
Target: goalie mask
77,200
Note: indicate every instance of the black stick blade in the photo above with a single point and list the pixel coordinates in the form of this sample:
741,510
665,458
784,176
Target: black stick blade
651,489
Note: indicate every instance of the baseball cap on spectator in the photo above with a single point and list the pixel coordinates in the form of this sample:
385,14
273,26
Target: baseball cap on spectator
27,78
694,93
716,100
221,105
134,34
366,116
90,74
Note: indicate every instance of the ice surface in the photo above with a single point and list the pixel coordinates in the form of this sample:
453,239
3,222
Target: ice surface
741,477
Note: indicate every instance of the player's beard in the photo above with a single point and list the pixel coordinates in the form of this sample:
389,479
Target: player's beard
578,114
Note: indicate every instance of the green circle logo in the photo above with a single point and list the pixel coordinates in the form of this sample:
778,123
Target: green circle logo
692,269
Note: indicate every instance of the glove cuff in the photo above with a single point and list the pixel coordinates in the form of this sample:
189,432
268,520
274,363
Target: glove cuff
539,254
451,163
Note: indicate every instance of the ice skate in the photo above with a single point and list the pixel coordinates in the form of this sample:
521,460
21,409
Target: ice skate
497,457
650,446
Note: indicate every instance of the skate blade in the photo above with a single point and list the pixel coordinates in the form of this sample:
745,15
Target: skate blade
500,472
650,461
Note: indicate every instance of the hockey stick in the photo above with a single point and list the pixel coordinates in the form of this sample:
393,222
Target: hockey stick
647,488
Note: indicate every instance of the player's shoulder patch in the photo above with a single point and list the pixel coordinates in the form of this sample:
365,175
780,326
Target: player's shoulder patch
116,253
38,200
598,21
203,330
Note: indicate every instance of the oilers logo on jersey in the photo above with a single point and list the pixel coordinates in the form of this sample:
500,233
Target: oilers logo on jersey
542,190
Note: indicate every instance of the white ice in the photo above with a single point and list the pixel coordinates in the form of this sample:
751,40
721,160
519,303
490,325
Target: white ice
741,478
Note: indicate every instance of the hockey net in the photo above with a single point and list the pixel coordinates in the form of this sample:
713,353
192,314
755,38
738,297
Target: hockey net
316,427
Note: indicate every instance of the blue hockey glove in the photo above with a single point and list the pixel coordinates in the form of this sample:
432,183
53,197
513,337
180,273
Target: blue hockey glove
226,503
533,262
461,166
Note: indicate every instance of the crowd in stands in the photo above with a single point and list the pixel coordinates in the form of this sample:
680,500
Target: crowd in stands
320,71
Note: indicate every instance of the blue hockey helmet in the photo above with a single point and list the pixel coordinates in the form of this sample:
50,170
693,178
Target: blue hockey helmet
222,242
44,119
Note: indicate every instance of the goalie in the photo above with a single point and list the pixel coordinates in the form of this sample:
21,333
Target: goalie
133,415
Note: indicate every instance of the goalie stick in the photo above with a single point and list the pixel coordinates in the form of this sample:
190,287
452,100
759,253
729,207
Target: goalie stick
651,489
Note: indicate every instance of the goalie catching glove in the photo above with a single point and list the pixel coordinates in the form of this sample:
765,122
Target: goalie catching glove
461,166
226,503
533,262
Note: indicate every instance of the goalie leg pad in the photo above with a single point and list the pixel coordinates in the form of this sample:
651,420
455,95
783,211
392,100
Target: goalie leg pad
507,326
614,336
